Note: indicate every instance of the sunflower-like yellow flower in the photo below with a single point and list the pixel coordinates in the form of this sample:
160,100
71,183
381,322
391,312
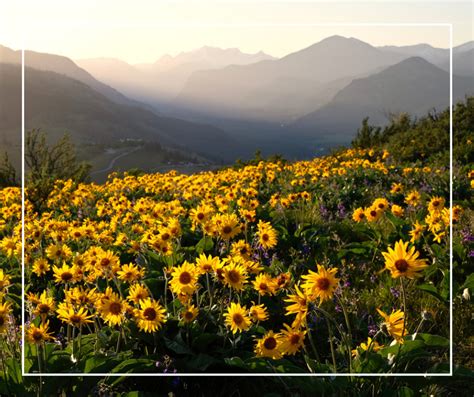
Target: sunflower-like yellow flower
41,267
404,262
269,346
298,304
381,204
206,264
267,235
45,306
189,314
397,210
235,275
112,308
227,225
38,335
77,317
130,273
396,188
373,213
242,249
258,313
320,284
436,204
264,284
65,274
237,318
393,324
184,279
358,215
58,252
292,339
137,292
4,280
413,198
372,344
151,316
5,312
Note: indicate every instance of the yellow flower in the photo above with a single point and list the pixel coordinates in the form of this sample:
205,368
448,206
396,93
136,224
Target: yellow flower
264,284
358,215
269,346
394,324
299,306
130,273
372,344
5,311
4,280
189,314
136,293
112,308
41,267
258,313
436,204
381,204
151,316
242,249
396,188
57,252
413,198
76,317
373,213
227,225
416,232
184,279
403,262
267,235
44,306
236,318
321,284
397,210
65,274
206,264
235,275
291,340
38,335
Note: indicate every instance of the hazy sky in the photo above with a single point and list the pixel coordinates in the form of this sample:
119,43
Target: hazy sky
143,30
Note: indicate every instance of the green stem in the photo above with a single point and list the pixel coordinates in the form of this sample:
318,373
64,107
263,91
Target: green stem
333,355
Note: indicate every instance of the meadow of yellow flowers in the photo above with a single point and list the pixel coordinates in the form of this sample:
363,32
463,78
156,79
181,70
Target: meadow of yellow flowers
339,264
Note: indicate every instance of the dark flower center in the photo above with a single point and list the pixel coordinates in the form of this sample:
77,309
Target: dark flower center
66,276
401,265
185,278
226,229
234,276
237,318
294,339
323,283
115,308
270,343
149,313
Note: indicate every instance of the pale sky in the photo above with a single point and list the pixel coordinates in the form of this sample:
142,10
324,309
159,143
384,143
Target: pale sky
143,30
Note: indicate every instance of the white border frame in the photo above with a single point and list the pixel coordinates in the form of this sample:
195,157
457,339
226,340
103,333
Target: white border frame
178,374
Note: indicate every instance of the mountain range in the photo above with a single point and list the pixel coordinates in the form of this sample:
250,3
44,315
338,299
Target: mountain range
214,105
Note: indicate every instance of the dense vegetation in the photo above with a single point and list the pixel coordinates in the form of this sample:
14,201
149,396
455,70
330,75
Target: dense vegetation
338,264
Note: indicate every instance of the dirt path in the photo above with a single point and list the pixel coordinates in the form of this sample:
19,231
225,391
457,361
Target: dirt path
114,160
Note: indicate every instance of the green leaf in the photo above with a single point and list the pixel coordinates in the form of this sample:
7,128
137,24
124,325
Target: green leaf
177,345
135,365
433,340
432,290
205,244
405,391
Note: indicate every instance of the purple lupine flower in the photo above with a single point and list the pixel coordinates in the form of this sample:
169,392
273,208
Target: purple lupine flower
395,292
